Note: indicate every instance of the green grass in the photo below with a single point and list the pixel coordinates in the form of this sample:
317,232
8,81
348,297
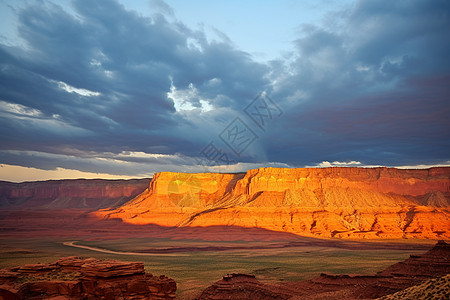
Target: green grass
195,271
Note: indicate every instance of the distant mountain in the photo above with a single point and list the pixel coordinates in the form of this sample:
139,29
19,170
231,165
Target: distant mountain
62,194
328,202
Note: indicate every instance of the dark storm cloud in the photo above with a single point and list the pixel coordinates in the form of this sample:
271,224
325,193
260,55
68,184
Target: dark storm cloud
369,84
126,62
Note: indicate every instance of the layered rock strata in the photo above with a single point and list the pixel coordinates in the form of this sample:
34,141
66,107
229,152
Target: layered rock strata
91,278
329,202
63,194
243,287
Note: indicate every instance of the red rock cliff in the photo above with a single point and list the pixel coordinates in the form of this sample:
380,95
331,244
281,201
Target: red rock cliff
61,194
329,202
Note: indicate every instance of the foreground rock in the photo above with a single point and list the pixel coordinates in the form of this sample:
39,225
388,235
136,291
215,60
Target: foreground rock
414,271
77,278
243,287
330,202
436,289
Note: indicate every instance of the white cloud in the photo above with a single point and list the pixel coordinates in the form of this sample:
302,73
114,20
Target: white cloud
327,164
193,44
19,109
95,63
70,89
362,68
214,82
185,99
444,164
37,120
109,74
139,154
20,174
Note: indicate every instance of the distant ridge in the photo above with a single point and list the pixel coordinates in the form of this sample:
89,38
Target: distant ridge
69,193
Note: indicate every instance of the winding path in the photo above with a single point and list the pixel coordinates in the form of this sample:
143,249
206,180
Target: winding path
72,244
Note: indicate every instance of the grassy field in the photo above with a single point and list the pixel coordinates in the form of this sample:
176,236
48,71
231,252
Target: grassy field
194,271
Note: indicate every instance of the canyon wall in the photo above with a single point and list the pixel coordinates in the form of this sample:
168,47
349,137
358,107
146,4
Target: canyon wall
328,202
62,194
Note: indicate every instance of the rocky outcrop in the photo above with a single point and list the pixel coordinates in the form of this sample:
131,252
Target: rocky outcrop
329,202
414,271
62,194
436,289
242,287
77,278
431,264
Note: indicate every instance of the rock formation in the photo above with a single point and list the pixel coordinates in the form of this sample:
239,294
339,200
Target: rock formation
414,271
91,278
328,202
63,194
436,289
243,287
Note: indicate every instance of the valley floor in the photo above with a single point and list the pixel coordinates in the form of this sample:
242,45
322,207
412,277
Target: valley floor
194,257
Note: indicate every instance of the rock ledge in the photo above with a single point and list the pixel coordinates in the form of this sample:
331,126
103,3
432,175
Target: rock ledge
77,278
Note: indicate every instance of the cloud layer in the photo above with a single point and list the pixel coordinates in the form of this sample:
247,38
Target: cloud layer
108,90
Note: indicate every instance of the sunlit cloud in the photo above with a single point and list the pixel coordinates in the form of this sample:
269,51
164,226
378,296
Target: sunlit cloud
188,99
140,154
327,164
82,92
19,109
20,174
34,118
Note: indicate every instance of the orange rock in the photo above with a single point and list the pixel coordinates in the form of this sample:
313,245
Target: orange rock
329,202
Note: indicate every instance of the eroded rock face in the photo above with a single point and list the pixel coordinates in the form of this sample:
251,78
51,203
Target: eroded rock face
62,194
437,289
329,202
413,271
77,278
242,287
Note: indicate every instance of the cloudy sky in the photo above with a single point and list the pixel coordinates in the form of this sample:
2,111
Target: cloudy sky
121,89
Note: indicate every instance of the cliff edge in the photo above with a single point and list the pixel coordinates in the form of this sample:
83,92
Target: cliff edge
328,202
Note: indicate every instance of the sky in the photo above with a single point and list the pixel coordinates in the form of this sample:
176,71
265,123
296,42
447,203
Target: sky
124,89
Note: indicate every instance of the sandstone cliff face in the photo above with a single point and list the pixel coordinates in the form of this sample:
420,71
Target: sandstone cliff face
61,194
329,202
